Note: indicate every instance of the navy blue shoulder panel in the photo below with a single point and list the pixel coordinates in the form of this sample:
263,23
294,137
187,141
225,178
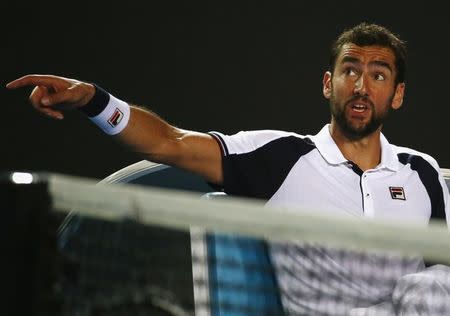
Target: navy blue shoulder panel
430,179
261,172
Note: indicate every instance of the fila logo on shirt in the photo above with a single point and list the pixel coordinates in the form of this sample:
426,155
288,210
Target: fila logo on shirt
397,193
115,118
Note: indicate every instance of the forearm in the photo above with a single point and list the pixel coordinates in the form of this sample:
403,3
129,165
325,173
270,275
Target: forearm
155,139
151,136
158,141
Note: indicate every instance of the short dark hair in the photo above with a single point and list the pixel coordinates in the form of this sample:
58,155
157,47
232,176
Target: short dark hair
365,34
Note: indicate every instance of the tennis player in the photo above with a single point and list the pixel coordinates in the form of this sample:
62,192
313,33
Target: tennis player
348,168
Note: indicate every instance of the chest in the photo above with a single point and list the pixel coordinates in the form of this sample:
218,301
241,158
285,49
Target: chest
315,185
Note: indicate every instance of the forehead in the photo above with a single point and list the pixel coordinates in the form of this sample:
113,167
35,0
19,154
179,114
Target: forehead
367,53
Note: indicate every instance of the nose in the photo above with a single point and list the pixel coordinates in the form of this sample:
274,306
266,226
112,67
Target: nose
361,85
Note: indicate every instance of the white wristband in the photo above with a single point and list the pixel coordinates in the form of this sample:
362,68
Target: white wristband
114,117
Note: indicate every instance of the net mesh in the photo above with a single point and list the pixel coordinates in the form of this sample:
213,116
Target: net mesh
127,250
124,268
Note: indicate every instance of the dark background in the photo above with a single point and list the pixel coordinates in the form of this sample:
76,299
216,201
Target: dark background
224,66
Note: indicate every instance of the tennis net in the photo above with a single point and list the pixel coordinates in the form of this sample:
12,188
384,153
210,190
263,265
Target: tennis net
130,250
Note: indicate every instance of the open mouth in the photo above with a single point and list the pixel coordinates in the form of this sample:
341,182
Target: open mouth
360,108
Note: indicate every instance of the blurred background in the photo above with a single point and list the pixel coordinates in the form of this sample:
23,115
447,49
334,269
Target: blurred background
223,66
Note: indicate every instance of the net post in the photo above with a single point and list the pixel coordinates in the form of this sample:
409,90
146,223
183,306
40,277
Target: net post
29,267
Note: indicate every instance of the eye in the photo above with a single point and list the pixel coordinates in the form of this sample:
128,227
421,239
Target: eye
379,77
350,71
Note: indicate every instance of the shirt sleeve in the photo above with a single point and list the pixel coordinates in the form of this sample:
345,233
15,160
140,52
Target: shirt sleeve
445,188
255,163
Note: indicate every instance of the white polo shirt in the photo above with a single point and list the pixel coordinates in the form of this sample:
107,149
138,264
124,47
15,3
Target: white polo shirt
310,172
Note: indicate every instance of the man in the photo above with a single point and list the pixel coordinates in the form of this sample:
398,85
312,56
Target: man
348,168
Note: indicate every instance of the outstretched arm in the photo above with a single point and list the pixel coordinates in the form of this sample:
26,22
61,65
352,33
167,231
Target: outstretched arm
145,132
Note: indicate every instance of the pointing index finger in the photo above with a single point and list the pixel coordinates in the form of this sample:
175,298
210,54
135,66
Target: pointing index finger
38,80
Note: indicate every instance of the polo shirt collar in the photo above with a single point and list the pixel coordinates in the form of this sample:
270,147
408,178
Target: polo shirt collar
389,158
332,154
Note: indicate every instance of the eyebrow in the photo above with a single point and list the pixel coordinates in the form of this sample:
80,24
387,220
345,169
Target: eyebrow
354,60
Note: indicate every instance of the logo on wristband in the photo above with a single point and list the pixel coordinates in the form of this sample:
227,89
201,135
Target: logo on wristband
115,118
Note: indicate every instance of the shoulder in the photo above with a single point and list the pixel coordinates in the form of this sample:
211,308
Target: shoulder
407,155
247,141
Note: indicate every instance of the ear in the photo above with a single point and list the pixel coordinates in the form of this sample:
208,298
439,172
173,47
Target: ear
397,101
326,82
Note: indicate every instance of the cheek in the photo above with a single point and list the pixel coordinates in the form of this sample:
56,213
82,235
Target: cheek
341,88
343,82
384,96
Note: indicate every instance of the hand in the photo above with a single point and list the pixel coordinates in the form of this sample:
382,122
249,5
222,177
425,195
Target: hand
53,94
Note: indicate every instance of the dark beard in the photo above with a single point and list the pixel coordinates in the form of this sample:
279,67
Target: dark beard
355,133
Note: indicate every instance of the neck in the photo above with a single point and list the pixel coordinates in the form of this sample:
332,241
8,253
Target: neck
365,152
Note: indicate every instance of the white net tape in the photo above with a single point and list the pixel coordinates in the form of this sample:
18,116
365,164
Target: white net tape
246,217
